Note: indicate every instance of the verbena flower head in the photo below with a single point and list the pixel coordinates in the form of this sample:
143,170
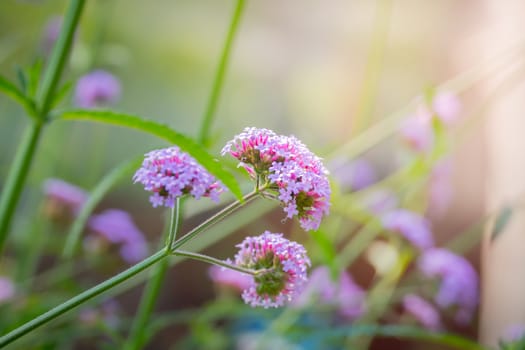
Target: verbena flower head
423,311
289,167
117,227
459,281
343,293
170,173
412,226
282,265
97,88
63,200
229,278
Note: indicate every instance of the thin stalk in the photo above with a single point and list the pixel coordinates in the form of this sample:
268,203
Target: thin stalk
218,262
151,292
213,220
58,58
118,279
16,178
218,82
81,298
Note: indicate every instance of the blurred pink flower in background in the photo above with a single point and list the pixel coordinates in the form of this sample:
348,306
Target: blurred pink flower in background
424,312
229,278
414,227
353,175
417,131
63,200
117,227
447,107
51,32
97,88
381,201
343,294
7,289
514,332
459,281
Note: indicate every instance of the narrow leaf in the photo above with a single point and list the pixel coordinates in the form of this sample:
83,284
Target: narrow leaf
10,90
162,131
502,220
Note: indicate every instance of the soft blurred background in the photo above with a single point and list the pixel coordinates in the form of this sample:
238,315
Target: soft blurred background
327,72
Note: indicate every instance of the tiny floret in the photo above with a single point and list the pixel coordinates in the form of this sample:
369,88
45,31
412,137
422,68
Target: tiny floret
281,267
285,167
170,173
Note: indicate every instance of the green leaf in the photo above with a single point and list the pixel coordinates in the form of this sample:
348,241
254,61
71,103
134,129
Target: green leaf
10,90
502,220
61,93
162,131
397,331
95,196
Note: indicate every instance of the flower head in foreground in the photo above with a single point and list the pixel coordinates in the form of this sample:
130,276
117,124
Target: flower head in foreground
97,88
459,281
117,227
412,226
170,173
344,294
424,312
63,200
281,264
288,167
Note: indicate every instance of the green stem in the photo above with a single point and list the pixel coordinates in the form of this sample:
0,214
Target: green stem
58,58
218,82
17,177
214,219
81,298
118,279
138,330
215,261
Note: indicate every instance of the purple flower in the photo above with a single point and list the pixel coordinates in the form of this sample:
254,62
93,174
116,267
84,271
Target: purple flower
354,175
424,312
447,107
459,281
282,266
287,166
343,293
417,131
117,227
97,88
7,289
63,200
170,173
412,226
229,277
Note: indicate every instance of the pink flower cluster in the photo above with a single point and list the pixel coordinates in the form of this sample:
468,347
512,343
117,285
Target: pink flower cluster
281,264
170,173
288,167
97,88
343,293
459,281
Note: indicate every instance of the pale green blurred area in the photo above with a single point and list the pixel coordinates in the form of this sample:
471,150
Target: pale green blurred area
297,67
